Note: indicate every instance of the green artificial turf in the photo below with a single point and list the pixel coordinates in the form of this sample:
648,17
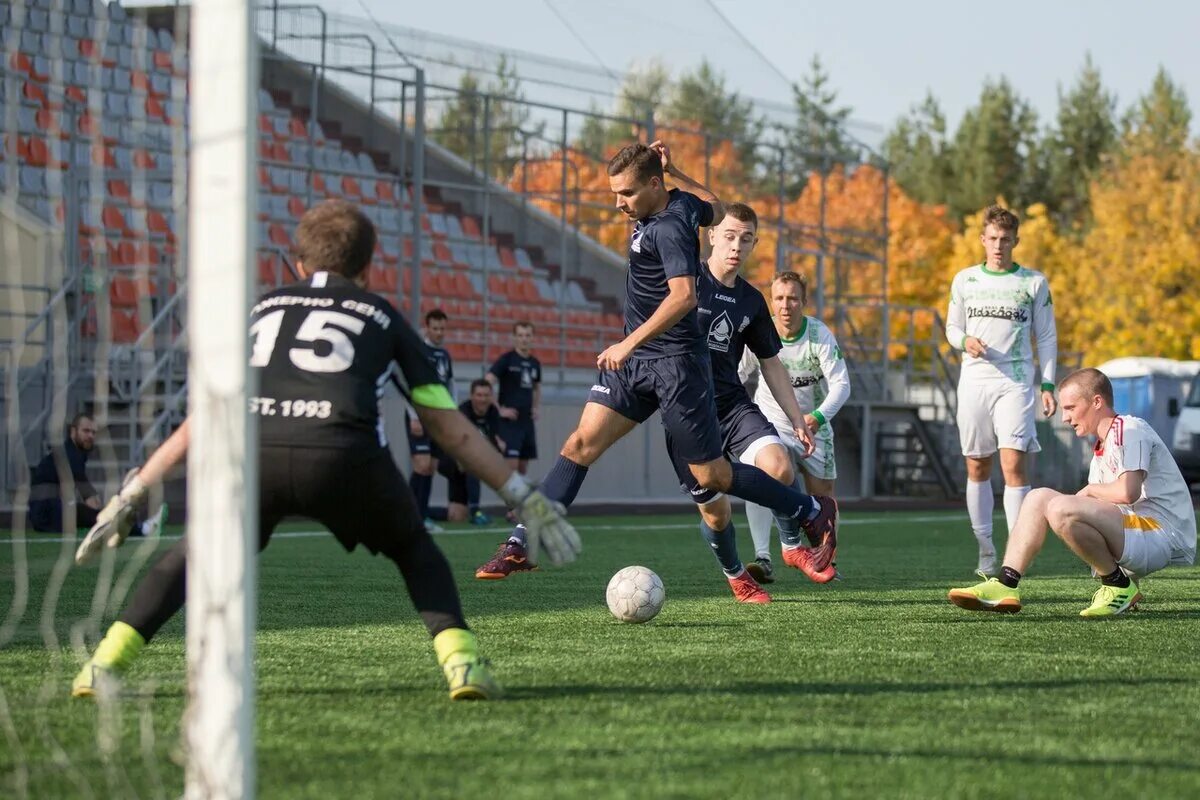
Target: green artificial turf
869,687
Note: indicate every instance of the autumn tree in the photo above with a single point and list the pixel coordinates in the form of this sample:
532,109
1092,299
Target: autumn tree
700,97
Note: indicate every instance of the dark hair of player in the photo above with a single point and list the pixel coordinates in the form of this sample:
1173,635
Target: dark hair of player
644,162
797,278
742,213
1002,218
1090,382
480,383
335,236
78,418
522,323
436,313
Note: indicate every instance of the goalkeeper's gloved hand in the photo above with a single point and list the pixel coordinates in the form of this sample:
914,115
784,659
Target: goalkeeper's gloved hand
114,521
544,520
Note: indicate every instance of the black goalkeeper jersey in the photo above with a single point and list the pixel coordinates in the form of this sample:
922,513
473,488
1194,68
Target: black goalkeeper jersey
325,350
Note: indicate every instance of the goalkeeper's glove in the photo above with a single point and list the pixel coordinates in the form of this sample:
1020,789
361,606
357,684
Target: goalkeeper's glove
544,520
114,521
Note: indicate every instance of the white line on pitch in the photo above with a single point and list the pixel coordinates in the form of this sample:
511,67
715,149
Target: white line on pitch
35,538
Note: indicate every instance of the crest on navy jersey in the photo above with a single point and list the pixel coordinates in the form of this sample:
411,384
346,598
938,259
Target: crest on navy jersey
719,333
635,243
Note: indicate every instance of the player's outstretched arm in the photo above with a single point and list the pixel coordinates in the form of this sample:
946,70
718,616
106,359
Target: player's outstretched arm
775,374
688,183
116,519
544,521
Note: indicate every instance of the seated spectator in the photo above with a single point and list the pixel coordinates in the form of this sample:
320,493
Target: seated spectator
46,496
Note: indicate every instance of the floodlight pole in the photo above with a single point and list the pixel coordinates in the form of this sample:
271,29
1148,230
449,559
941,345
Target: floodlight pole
223,454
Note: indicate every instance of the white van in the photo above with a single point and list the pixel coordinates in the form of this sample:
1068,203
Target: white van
1159,391
1185,445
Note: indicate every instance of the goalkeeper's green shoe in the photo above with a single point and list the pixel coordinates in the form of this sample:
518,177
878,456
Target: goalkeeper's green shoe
991,595
116,651
468,674
95,681
1108,601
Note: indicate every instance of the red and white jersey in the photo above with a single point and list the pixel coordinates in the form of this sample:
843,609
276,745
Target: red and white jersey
1166,503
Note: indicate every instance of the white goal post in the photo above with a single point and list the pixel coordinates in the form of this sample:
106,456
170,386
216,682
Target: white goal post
222,502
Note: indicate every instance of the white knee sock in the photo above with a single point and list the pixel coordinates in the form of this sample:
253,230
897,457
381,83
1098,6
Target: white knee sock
980,502
1013,495
761,518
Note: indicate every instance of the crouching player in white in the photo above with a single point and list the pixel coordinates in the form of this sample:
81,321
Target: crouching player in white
996,309
1134,517
821,384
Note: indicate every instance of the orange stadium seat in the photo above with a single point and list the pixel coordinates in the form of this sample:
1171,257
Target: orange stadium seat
123,292
125,326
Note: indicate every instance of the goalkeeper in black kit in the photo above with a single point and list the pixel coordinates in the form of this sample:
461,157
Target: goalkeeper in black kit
325,349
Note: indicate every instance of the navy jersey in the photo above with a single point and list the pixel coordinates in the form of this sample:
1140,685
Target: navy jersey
735,317
488,422
443,365
325,350
664,246
518,375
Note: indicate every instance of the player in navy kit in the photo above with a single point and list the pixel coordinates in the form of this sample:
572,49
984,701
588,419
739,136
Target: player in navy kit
662,364
421,449
518,378
463,493
325,348
733,317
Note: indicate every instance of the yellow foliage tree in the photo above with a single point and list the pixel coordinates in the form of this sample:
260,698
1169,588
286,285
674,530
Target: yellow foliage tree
1132,285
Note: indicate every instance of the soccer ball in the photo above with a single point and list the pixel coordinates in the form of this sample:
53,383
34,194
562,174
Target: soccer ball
635,594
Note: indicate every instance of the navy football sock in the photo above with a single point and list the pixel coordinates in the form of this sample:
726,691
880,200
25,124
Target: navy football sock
421,487
789,527
751,483
724,547
472,493
563,480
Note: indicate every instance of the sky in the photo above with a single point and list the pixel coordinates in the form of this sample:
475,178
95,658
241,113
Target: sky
882,56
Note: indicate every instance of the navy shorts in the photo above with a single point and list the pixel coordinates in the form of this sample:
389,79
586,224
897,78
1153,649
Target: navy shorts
520,438
681,388
420,445
742,425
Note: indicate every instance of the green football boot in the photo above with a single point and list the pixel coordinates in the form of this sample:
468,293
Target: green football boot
468,674
991,595
1108,601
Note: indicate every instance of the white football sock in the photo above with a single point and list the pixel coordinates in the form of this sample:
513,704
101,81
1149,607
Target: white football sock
761,519
1013,495
980,503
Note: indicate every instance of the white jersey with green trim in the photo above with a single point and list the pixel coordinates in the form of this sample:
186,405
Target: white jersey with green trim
817,369
1008,312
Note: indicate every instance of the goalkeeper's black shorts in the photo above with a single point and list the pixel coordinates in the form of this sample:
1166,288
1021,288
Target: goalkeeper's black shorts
359,494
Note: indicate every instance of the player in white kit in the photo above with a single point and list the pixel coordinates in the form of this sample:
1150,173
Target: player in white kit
999,312
1134,517
821,384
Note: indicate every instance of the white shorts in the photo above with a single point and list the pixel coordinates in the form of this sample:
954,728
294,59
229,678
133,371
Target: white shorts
1147,543
821,463
995,414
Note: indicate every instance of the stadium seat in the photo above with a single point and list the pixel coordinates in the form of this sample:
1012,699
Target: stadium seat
125,326
278,236
382,280
123,292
